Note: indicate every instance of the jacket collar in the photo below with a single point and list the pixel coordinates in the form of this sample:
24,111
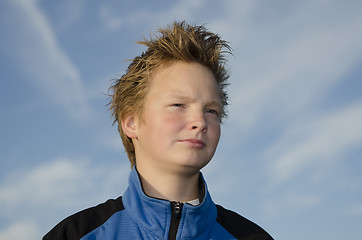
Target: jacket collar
154,215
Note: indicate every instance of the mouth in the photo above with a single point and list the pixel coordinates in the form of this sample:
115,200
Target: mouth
194,143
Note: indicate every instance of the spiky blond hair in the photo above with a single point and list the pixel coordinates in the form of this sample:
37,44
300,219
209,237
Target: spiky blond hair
179,42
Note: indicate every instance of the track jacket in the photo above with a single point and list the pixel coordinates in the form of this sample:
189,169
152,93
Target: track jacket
138,216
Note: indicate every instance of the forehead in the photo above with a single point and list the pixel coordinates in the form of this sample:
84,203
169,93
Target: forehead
179,77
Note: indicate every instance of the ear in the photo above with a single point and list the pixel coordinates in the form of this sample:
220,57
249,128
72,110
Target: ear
129,126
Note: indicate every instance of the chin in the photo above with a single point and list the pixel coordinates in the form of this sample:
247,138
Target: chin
195,164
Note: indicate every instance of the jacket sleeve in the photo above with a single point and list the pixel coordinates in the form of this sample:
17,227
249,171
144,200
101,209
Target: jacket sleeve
78,225
240,227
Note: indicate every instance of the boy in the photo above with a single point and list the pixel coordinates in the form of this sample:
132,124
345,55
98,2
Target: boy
168,107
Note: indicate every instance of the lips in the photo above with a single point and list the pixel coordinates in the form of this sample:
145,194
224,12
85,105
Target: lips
195,143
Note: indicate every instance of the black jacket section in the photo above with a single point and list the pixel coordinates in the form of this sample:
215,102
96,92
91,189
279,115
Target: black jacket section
81,223
240,227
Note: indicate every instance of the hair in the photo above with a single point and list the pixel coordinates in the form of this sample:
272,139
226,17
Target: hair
179,42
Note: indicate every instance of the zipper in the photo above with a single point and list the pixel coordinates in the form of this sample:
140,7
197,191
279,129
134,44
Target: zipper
176,210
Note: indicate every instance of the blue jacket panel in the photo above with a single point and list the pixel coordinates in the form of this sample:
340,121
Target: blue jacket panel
138,216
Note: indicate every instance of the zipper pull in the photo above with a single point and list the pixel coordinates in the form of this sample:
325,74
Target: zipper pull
177,209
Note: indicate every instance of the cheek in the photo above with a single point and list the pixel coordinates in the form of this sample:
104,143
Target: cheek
165,127
215,132
172,122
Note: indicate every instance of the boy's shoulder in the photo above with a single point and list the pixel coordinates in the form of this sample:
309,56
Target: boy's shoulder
83,222
240,227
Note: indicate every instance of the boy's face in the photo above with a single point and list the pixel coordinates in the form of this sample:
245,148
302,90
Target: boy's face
181,125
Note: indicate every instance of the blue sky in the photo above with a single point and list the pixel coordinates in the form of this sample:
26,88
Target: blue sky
290,157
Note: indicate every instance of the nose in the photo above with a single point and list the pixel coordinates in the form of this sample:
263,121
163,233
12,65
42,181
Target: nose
198,122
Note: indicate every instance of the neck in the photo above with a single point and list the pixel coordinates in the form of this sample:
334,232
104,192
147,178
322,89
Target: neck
168,185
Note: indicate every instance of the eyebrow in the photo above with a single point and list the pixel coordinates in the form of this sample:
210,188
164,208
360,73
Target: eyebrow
177,96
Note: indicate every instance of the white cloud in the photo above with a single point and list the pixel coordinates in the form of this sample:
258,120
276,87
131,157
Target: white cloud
60,182
112,141
288,58
110,19
291,202
35,48
21,230
181,10
55,182
315,142
52,191
354,210
68,13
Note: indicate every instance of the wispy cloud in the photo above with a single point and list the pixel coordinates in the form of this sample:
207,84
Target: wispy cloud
354,210
38,53
68,12
21,230
290,203
316,142
49,183
140,17
60,185
285,65
110,19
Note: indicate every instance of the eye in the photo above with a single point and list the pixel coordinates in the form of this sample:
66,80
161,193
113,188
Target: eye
213,112
178,105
